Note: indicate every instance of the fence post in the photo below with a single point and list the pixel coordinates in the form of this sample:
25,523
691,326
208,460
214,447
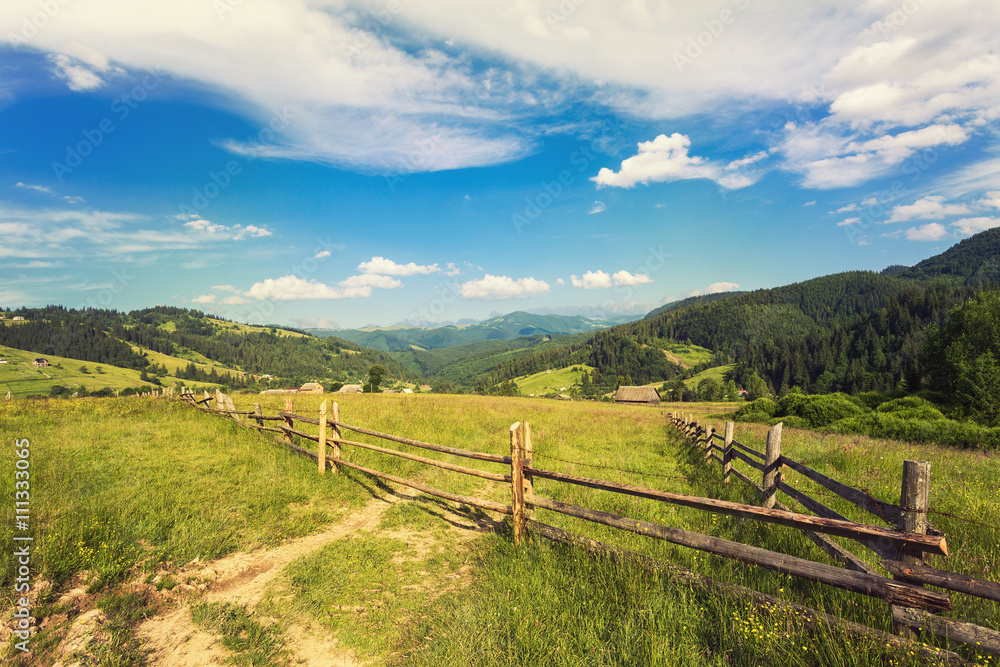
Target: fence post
289,423
517,482
914,501
257,413
727,454
220,400
709,430
335,416
321,443
771,456
529,481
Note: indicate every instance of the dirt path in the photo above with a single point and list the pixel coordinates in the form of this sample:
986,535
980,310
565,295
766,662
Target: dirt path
242,578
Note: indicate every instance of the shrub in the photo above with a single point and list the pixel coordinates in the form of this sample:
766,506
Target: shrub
826,409
891,425
792,421
764,406
911,407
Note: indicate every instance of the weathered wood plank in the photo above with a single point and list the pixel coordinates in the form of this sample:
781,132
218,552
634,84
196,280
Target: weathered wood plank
714,586
780,517
894,592
818,508
494,476
968,633
748,450
749,461
953,581
885,511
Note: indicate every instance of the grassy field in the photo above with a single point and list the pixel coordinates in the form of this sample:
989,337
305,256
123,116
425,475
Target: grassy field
173,364
686,355
121,486
22,379
717,373
244,328
557,381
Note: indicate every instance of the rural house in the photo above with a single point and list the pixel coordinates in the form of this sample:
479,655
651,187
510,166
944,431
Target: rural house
637,395
2,361
311,388
350,389
40,362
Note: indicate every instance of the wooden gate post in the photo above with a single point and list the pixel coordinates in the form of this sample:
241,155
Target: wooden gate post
709,430
517,483
914,501
335,416
321,443
771,456
727,454
529,481
289,423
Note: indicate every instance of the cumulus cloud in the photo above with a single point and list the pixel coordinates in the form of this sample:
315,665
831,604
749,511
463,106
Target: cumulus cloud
293,288
667,159
489,288
970,226
848,221
383,266
932,231
78,77
827,158
250,230
451,270
599,207
204,298
236,233
716,288
370,280
321,254
928,208
624,278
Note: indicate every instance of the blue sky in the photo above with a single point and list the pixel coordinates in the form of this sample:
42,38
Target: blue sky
338,163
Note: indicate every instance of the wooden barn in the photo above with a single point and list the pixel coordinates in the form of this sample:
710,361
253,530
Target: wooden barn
311,388
637,395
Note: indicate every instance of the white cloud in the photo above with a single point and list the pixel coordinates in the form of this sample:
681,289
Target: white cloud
829,159
848,221
932,231
560,281
451,270
383,266
224,288
847,209
491,287
928,208
78,78
200,225
321,254
204,298
716,288
599,207
370,280
250,230
39,188
970,226
592,280
992,200
234,300
667,159
74,200
624,278
293,288
810,203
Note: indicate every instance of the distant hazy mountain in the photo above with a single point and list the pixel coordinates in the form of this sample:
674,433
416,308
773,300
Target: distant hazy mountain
503,327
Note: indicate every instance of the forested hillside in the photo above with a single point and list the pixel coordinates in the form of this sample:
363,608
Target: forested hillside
105,336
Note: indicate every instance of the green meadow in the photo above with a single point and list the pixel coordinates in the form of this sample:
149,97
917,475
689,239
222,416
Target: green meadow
557,381
123,487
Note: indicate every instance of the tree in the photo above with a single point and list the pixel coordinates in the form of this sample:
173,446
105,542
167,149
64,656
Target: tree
961,359
709,389
756,387
375,375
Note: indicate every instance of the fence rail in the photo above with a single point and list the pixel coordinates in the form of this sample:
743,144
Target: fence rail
902,562
902,592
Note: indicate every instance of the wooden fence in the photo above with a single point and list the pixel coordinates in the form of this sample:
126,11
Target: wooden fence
903,562
519,474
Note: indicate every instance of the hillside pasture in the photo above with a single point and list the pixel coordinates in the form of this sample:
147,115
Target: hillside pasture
22,379
557,381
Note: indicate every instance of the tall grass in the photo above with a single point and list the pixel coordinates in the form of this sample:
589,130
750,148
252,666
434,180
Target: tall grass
119,485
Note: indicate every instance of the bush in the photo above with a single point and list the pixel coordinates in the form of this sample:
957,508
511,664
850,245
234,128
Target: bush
891,425
764,406
911,407
792,421
826,409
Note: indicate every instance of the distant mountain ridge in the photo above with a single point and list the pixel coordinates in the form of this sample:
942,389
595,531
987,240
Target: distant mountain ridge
504,327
